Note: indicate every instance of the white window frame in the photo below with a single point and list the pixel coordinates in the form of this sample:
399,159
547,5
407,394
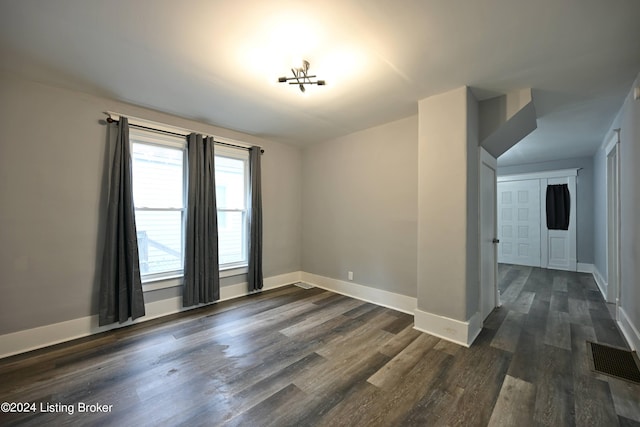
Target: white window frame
239,154
159,139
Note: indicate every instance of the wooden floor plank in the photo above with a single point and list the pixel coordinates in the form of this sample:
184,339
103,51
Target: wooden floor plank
263,413
579,312
512,291
507,336
495,319
321,316
559,302
626,422
625,396
393,372
554,404
523,303
558,332
608,333
560,284
593,402
257,391
400,324
580,335
536,320
525,359
515,404
338,389
436,408
398,342
398,400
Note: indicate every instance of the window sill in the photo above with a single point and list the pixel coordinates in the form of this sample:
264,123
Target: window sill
161,283
233,271
158,283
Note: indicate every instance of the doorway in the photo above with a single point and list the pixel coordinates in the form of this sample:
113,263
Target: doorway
489,298
522,227
613,221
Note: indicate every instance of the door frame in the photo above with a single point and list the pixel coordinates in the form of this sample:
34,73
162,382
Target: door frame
612,151
544,178
492,163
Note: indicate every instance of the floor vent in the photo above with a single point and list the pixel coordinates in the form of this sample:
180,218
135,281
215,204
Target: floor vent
615,362
304,285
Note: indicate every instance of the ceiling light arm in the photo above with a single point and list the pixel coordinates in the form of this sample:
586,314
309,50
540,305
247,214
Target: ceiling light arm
298,72
286,79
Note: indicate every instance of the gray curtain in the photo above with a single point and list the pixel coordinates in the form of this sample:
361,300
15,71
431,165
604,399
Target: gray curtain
121,295
255,221
201,268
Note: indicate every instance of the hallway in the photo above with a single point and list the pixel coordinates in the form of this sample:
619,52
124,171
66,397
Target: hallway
545,320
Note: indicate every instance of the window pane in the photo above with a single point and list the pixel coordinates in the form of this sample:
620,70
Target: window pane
230,183
231,237
157,176
159,241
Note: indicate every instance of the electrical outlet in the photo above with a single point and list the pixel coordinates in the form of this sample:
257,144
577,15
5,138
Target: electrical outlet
351,275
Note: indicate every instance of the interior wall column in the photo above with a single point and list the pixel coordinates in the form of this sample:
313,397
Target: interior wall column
448,258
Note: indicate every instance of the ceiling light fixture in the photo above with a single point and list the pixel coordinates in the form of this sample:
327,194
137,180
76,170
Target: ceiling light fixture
301,77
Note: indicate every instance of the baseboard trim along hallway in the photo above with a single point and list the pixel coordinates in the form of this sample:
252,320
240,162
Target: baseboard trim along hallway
629,330
601,282
403,303
456,331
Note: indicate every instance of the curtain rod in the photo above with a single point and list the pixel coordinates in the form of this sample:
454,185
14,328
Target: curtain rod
167,132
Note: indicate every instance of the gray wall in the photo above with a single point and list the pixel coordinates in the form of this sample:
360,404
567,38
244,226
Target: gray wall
447,279
359,207
628,121
52,163
630,207
585,190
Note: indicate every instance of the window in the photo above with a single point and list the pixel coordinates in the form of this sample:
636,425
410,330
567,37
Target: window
232,192
159,195
158,163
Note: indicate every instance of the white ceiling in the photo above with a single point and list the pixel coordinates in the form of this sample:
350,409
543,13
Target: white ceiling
218,61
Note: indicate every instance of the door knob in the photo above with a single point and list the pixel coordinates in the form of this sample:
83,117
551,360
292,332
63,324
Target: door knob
496,240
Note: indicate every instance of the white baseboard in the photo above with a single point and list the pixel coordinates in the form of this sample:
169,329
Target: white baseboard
602,284
583,267
380,297
44,336
629,330
456,331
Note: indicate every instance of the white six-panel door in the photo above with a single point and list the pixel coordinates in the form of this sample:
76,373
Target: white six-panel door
519,222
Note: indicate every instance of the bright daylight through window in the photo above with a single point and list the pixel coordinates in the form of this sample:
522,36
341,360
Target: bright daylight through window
160,192
232,185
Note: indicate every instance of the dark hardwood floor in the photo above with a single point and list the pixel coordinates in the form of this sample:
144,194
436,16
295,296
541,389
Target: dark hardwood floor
310,357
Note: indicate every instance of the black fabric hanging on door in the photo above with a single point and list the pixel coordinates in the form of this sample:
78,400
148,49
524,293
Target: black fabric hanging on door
558,207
